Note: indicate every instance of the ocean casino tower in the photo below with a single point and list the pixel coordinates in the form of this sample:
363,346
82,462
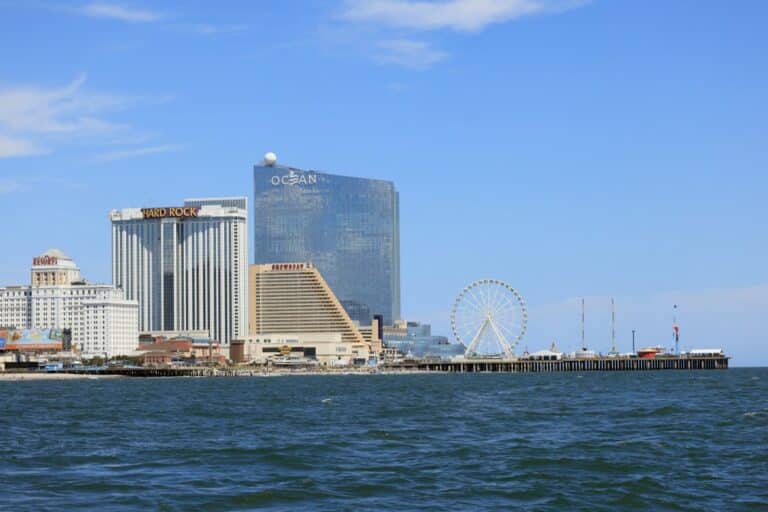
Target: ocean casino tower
347,227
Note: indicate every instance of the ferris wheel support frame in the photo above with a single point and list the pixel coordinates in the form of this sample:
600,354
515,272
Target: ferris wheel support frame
490,309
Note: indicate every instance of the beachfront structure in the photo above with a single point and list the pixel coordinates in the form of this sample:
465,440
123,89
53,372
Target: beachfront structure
327,349
186,266
414,339
101,320
347,227
294,298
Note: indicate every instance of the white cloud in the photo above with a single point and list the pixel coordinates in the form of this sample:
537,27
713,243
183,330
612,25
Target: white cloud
65,110
12,146
136,152
115,11
460,15
8,186
393,20
212,30
119,12
34,119
409,53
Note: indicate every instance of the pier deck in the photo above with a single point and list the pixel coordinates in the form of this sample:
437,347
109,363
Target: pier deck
610,364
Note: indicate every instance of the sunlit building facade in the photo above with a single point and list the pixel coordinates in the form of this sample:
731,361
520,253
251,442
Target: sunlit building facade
294,297
97,316
185,265
347,227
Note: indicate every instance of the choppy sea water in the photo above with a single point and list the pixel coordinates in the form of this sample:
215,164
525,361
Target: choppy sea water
671,440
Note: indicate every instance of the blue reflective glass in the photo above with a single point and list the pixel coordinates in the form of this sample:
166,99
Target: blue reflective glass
347,227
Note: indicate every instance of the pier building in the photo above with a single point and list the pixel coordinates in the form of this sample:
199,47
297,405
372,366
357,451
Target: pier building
185,265
348,227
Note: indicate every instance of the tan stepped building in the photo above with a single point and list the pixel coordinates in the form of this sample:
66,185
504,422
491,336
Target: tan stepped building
294,298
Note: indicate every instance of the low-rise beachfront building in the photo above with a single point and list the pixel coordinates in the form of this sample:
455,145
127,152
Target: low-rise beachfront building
414,339
183,350
326,349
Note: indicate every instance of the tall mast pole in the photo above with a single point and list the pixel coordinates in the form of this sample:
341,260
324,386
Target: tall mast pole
613,326
583,342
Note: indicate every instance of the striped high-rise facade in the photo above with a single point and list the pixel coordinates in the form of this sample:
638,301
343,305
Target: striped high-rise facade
186,266
294,297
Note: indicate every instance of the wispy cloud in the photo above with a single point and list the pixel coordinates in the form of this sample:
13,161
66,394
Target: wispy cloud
31,109
35,119
135,152
31,116
460,15
409,53
212,30
11,146
393,21
120,12
8,186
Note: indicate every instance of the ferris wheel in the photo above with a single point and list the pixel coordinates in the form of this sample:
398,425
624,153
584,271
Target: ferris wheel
490,318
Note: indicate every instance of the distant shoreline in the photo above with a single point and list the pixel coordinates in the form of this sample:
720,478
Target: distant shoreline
38,376
30,376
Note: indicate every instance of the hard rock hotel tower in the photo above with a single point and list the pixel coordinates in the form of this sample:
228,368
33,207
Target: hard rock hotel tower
187,265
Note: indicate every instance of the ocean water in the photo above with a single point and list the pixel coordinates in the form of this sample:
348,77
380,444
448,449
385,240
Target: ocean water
670,440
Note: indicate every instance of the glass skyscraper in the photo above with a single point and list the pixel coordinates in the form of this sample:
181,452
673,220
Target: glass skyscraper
349,228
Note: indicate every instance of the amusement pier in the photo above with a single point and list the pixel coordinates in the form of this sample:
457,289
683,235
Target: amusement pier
604,364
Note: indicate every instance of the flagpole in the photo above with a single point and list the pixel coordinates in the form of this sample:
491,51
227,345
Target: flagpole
583,342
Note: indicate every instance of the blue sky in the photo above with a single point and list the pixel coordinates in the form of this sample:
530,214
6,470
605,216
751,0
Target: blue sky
572,148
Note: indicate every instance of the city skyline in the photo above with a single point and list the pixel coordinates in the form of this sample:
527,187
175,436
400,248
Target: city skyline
605,151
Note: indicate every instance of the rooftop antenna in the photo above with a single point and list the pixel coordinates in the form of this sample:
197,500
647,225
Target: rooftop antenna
583,342
613,326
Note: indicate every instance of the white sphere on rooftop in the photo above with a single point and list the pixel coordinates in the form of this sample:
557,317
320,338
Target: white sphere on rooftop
270,159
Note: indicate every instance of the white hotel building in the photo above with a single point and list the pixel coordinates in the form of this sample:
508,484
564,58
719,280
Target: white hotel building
102,321
186,265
